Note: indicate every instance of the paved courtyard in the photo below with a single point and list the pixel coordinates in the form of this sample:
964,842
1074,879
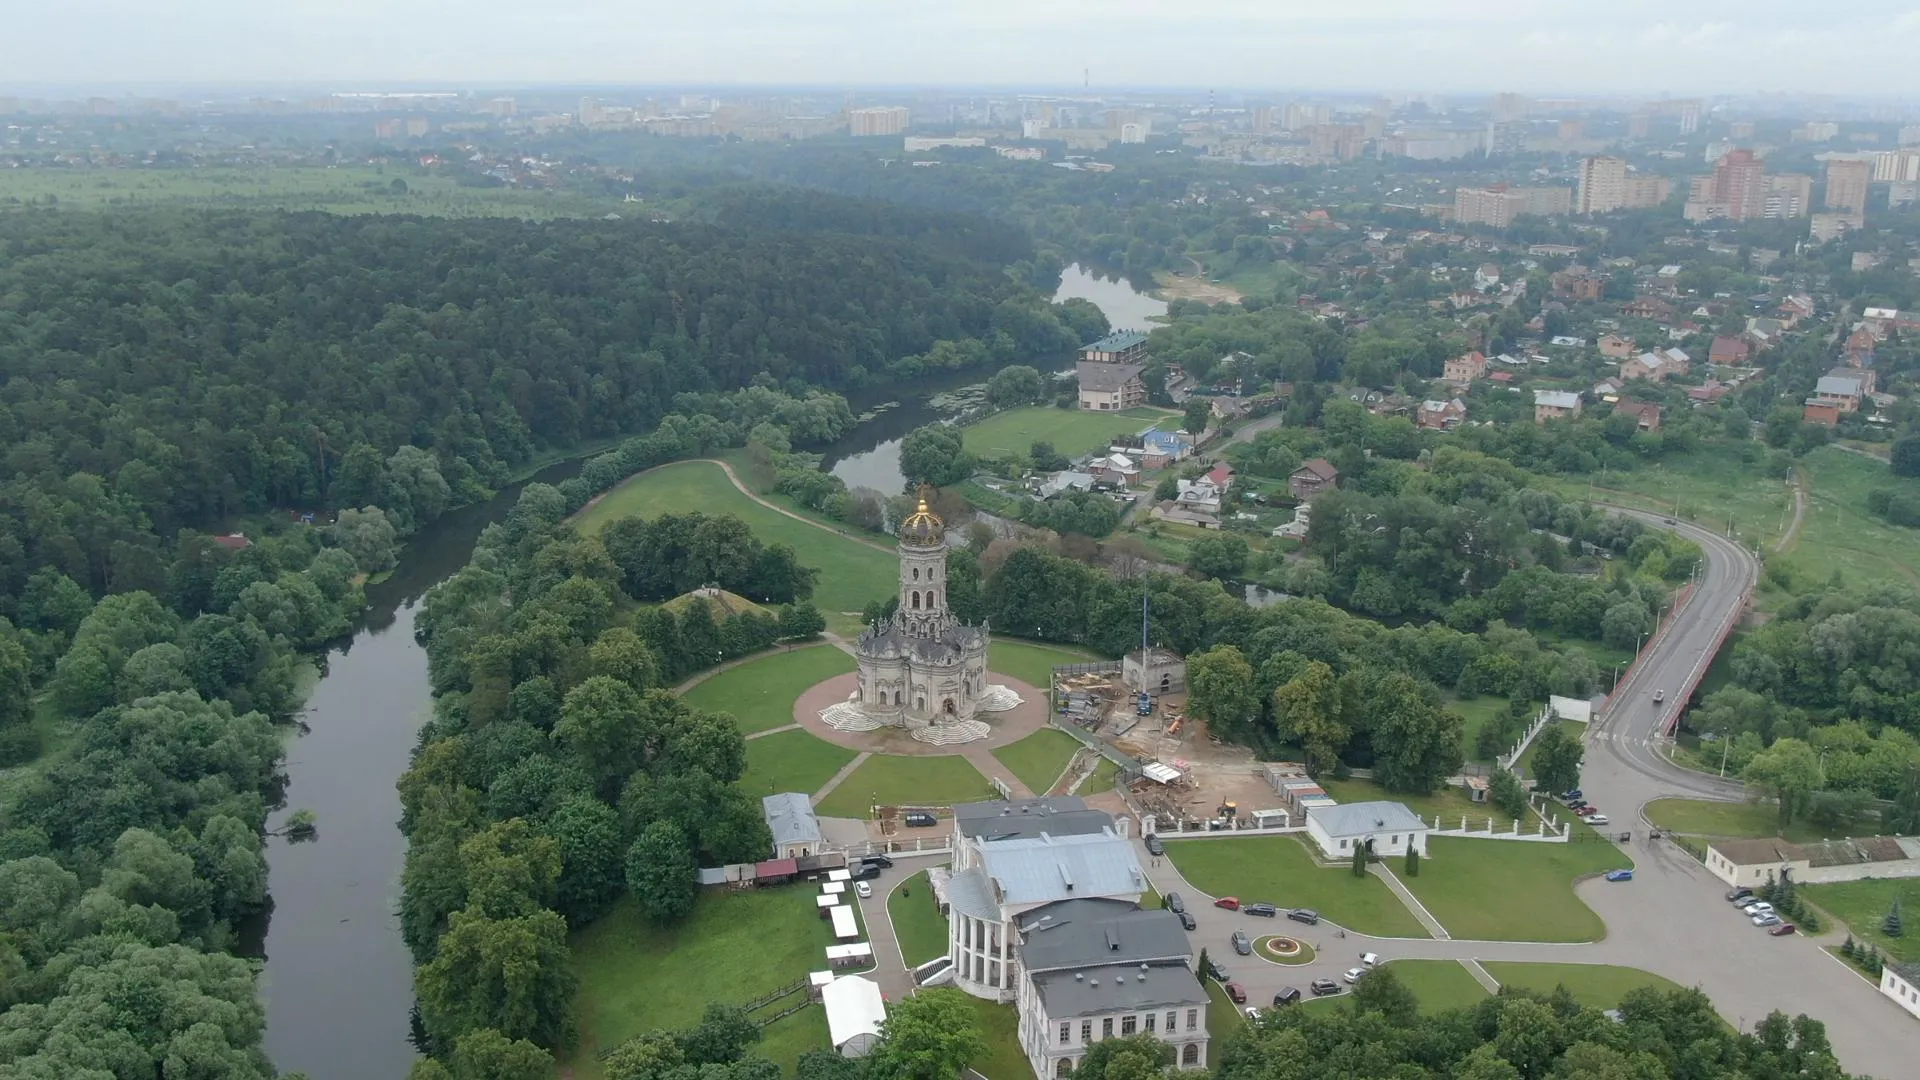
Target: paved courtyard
1008,727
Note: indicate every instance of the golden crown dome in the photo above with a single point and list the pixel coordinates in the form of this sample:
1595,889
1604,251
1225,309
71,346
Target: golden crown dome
923,526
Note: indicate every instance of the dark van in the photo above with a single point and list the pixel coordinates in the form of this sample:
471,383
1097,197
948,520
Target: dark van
1289,996
1306,915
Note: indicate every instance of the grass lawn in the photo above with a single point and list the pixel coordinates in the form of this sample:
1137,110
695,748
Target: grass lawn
886,780
851,573
1597,986
1101,779
1224,1018
1439,984
1575,731
1000,1027
1477,712
1700,817
1278,870
1071,431
1031,662
791,761
635,977
1839,533
786,1039
1712,483
1448,802
1511,890
916,921
1039,758
1863,904
760,693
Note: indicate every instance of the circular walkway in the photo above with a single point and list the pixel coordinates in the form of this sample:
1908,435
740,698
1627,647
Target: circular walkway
1008,727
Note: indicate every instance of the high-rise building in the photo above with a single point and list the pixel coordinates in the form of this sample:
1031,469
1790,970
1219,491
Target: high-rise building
1891,166
1262,118
1740,130
1546,201
1740,181
1789,195
1506,138
1910,135
1603,185
1689,116
877,120
1847,180
1299,115
1646,191
589,113
1133,131
1573,130
1496,206
1509,106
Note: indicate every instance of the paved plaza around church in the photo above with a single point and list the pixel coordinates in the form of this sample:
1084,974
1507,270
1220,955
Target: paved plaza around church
1009,726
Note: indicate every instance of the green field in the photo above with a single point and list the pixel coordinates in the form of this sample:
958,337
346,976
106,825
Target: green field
1071,431
353,189
1700,817
1839,534
1101,779
851,572
791,761
1597,986
916,921
1478,712
636,977
1708,486
1439,984
884,780
1278,870
999,1026
760,693
1032,663
1511,890
1039,758
1862,905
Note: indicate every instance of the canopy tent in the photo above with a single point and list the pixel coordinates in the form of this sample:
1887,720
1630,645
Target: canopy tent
1159,773
855,1011
844,926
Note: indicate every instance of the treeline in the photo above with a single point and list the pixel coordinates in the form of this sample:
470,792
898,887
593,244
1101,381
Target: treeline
558,773
184,370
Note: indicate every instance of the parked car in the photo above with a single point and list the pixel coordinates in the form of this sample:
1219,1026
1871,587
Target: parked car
1598,819
1155,847
1235,991
1173,903
1586,810
1782,930
1323,987
1242,944
1369,959
1186,920
1265,911
1288,996
878,860
863,890
1352,975
1620,875
1253,1014
1739,896
1306,915
1215,971
1758,907
1575,804
919,819
1569,796
1231,903
1767,918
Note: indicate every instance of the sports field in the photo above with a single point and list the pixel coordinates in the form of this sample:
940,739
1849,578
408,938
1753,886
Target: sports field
1071,431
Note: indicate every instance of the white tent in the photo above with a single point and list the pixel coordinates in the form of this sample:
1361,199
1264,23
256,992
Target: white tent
1159,773
823,900
859,952
833,888
855,1012
1568,708
843,925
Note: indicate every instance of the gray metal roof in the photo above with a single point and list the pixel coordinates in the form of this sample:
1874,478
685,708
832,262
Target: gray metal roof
1059,815
1095,375
970,893
1081,934
1118,340
1366,818
1118,988
1839,385
790,817
1557,399
1047,868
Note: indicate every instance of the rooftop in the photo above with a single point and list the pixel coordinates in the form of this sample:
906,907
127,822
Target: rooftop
1118,988
1848,852
1095,375
1366,818
1046,868
1117,341
1026,819
790,816
1090,933
1843,385
1557,399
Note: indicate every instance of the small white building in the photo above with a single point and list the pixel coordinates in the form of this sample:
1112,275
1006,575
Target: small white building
1762,860
1901,982
795,828
855,1011
1384,828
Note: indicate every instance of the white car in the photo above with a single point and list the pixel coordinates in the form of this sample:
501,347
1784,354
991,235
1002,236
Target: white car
1369,959
863,890
1597,819
1353,974
1757,907
1766,918
1253,1013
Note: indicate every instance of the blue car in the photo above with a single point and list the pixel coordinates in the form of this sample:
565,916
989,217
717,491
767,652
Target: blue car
1619,875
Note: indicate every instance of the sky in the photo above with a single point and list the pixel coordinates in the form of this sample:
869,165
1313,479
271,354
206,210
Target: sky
1543,47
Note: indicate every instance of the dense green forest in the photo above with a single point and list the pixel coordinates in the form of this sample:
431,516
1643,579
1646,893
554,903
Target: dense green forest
182,370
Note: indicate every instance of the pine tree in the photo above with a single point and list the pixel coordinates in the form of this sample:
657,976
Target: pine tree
1204,966
1850,950
1413,862
1890,925
1359,860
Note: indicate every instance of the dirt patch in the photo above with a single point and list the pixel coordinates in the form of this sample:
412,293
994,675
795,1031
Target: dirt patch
1194,287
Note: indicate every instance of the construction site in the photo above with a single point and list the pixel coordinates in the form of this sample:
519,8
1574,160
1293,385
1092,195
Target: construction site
1138,707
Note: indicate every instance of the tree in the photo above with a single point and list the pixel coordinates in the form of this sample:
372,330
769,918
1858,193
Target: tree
1042,456
1507,793
1891,925
660,872
1359,861
934,455
512,975
1132,1057
488,1055
369,537
1556,759
1193,419
928,1036
723,1036
1223,557
619,653
1016,384
801,620
1381,991
1905,457
1789,772
1416,743
1306,710
605,727
1413,862
1220,689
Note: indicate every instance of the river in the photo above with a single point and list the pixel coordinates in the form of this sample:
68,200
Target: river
338,983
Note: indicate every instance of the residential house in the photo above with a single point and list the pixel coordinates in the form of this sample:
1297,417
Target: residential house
1859,348
1616,346
1606,389
1567,341
1869,378
790,817
1465,368
1300,525
1501,378
1731,351
1220,476
1655,365
1119,347
1822,414
1578,284
1111,387
233,541
1554,405
1382,828
1064,481
1843,392
1312,477
1645,413
1708,393
1116,469
1648,307
1797,307
1442,415
1201,494
1159,449
1094,969
1486,277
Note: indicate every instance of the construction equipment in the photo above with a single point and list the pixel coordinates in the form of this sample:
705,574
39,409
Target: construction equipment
1144,705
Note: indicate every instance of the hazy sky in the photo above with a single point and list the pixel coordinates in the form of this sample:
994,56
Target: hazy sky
1623,46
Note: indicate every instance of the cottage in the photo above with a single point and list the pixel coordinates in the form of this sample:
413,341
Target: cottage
1555,405
1064,481
1843,392
1312,477
1159,449
1731,351
1442,415
1648,307
1645,413
1822,414
1381,828
1201,494
1117,469
1606,389
790,817
1110,387
1465,368
1616,346
1655,366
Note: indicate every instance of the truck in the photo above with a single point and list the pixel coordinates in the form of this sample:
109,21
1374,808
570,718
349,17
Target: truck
1143,705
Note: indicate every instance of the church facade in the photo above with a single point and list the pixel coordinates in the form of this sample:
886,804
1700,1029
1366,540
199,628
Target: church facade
922,667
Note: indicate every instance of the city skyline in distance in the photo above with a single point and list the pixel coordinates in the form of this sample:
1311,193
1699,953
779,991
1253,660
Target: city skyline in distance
1631,48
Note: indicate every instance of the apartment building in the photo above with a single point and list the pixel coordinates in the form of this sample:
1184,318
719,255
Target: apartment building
1847,180
877,120
1496,206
